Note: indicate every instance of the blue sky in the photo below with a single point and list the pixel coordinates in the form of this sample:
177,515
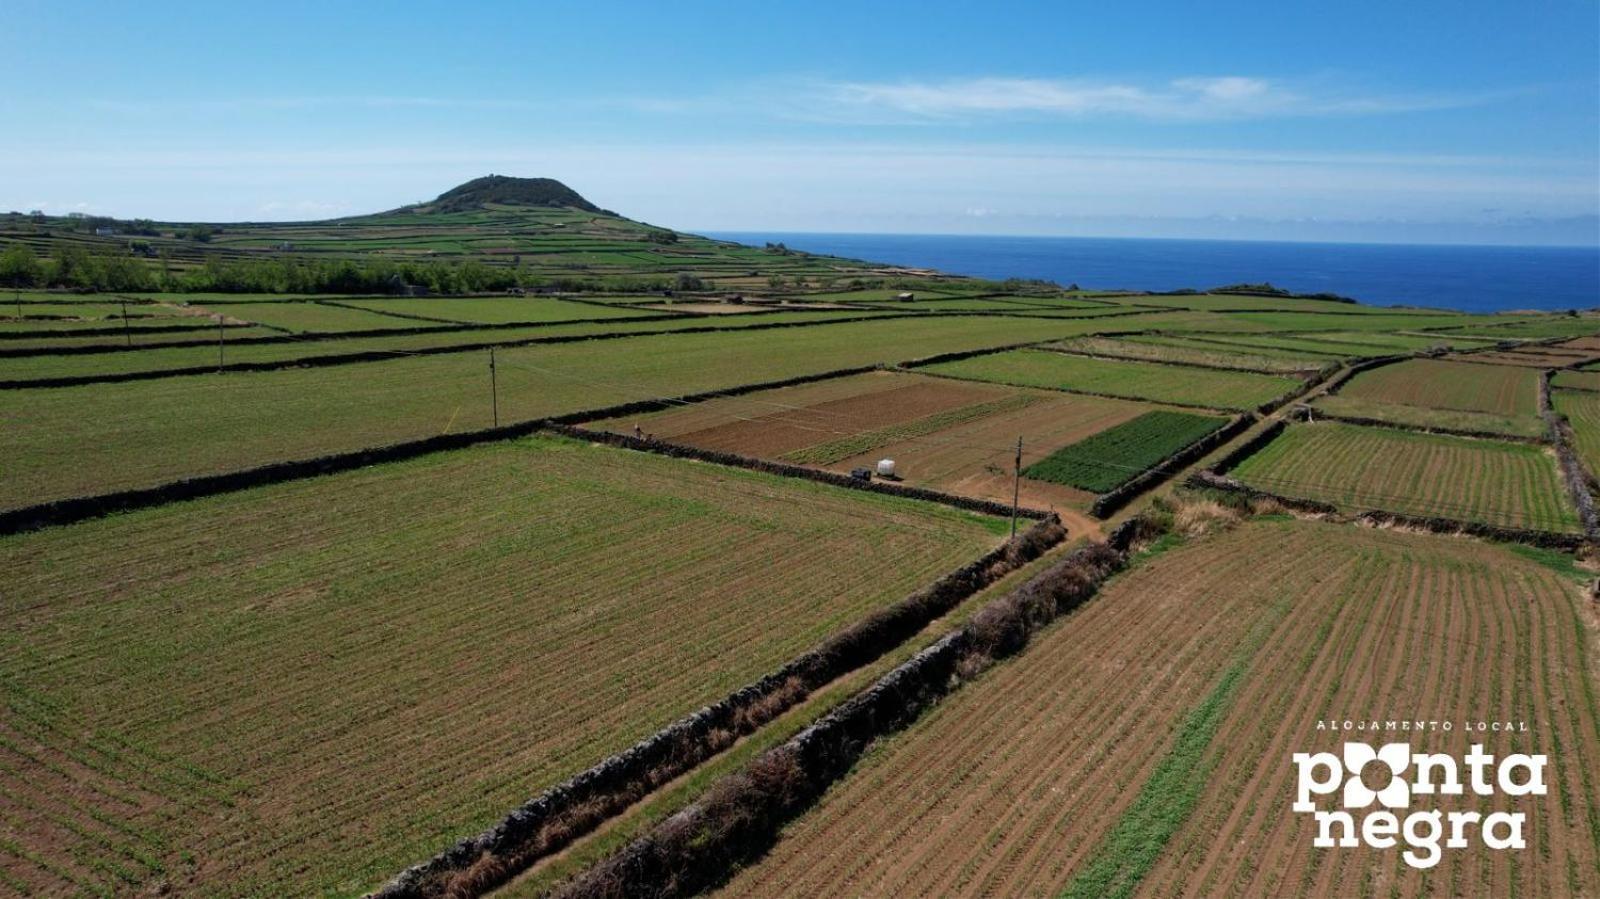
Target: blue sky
1458,122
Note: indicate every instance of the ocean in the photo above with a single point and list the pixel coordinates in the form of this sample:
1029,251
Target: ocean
1468,278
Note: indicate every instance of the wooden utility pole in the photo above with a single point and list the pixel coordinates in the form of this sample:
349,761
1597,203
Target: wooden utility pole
126,332
1016,488
494,390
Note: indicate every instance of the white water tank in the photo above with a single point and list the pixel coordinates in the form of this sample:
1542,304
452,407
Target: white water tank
885,468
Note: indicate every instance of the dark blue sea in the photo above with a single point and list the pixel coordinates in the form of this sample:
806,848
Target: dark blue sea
1469,278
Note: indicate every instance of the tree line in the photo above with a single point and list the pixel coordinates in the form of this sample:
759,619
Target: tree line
75,269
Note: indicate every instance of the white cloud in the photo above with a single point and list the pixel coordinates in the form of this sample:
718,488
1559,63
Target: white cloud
1181,99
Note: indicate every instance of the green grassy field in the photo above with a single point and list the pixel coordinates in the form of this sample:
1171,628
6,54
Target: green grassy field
1448,394
306,317
204,354
1582,409
498,310
1162,349
1577,380
148,432
1118,454
1361,468
282,692
1131,380
1247,302
1445,384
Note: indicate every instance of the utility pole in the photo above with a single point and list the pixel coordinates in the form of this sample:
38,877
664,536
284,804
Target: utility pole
1016,488
219,344
494,390
125,330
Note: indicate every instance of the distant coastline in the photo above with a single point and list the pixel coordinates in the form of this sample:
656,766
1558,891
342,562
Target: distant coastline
1468,278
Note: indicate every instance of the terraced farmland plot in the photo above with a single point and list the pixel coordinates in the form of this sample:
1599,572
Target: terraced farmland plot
138,337
944,434
1132,380
882,295
1535,327
1384,320
1160,350
149,432
1020,305
1533,361
1586,344
304,316
1444,394
1582,409
498,310
1577,380
1113,457
284,692
1203,350
46,327
1318,348
1360,468
1250,302
1385,344
1142,746
312,345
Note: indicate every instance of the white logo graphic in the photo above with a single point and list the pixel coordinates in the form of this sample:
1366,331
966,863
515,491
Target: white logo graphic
1413,774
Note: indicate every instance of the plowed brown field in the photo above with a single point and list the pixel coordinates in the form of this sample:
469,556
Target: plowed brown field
1025,781
971,455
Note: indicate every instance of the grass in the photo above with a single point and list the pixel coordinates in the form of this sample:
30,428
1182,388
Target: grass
1128,380
1192,353
1505,390
1424,418
1579,380
305,317
497,310
308,698
1582,409
1361,468
439,335
1118,454
148,432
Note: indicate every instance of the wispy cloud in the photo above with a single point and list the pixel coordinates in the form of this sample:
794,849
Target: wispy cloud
1182,99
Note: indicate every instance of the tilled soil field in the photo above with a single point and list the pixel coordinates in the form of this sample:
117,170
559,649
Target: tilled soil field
1143,744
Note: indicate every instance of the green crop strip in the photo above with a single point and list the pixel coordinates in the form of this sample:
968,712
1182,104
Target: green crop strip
835,450
1172,791
1132,848
1106,460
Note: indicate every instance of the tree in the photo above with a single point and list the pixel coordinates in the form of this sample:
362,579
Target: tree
19,267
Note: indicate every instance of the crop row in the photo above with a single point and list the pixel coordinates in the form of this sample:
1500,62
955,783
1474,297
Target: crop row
1139,746
310,698
1360,468
1176,385
1105,461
